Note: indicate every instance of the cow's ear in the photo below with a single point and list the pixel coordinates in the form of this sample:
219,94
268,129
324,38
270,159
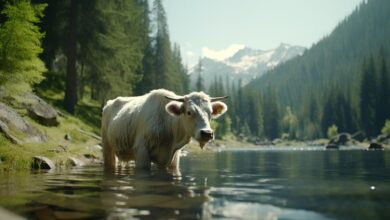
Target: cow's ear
174,108
219,108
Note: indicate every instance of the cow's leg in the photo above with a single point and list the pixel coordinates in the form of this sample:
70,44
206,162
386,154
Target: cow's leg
176,159
108,155
142,158
174,166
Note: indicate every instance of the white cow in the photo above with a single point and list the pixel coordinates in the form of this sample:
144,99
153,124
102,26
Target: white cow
155,127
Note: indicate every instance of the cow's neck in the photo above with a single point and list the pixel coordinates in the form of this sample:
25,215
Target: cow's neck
181,137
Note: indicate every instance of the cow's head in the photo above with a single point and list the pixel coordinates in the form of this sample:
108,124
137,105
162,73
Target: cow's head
195,111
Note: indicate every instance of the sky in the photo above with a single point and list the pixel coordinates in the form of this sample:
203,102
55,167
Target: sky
219,28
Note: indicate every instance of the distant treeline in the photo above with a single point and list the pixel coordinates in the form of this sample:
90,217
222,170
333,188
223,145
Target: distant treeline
98,48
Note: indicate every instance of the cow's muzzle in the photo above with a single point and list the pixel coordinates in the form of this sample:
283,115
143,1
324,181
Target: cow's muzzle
206,135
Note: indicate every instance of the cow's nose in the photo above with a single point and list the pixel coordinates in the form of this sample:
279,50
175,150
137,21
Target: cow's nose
206,134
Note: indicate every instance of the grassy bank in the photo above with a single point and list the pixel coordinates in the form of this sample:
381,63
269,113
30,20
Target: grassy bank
83,127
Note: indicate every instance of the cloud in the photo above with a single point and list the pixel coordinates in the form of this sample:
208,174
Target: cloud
222,54
190,54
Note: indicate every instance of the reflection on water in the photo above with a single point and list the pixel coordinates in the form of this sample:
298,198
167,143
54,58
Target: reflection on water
234,184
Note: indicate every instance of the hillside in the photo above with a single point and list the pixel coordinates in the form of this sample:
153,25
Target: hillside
340,84
335,60
68,140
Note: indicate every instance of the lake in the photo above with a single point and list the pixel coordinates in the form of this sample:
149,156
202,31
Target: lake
245,183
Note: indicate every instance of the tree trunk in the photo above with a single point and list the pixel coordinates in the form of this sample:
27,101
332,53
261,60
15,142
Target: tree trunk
81,82
70,99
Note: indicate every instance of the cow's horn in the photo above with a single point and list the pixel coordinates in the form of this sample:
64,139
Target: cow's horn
218,98
178,99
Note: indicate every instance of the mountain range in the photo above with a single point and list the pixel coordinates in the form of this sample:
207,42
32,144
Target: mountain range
246,64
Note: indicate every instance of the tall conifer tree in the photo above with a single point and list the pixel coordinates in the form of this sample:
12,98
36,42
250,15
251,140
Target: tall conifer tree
20,46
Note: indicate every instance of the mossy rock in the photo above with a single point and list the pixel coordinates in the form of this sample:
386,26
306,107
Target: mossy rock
16,128
39,110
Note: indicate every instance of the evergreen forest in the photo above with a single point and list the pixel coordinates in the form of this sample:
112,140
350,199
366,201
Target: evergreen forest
96,49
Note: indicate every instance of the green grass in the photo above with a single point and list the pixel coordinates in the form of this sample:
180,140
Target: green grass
12,157
87,111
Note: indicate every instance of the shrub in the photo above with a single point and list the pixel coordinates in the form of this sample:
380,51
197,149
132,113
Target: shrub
332,131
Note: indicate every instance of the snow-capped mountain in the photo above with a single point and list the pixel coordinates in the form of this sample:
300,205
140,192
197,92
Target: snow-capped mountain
246,64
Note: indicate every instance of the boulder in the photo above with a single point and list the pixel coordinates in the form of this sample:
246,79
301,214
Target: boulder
332,146
14,125
375,146
39,110
277,141
91,159
68,137
5,130
340,139
75,162
43,163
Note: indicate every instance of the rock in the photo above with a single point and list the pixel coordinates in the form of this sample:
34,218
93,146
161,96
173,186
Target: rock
5,130
90,156
96,147
332,146
5,214
14,121
375,146
59,149
43,163
277,141
68,137
91,159
39,110
340,139
75,162
88,159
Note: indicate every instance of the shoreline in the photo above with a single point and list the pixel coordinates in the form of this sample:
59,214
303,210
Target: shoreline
74,141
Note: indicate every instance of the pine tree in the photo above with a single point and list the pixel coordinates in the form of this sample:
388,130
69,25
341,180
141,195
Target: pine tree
164,56
254,117
368,99
146,69
70,99
115,49
162,65
20,46
53,24
240,109
271,115
181,82
383,99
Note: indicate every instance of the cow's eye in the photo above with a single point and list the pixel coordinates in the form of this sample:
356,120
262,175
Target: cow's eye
189,113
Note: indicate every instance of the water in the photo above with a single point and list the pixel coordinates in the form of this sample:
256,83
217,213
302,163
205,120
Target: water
266,183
